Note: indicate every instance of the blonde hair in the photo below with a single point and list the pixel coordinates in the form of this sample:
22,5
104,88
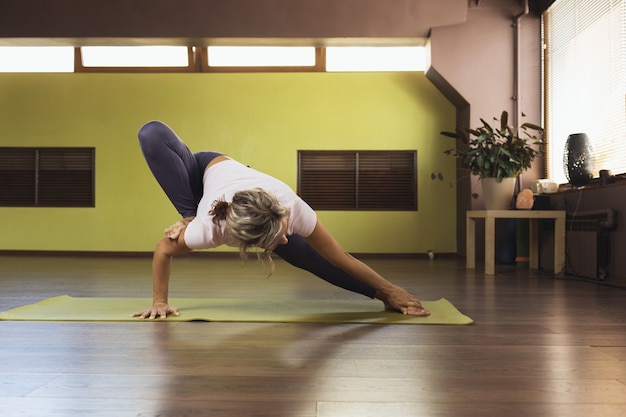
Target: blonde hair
254,218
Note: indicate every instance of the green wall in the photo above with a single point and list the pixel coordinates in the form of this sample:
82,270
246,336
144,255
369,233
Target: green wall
259,119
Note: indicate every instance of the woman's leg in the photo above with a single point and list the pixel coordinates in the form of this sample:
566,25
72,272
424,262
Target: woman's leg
176,169
299,253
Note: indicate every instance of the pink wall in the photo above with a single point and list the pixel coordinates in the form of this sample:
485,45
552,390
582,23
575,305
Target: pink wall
478,60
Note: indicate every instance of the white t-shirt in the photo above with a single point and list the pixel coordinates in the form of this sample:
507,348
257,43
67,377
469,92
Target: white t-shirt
221,182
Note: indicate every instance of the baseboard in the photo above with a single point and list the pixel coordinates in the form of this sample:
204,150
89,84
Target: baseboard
107,254
198,254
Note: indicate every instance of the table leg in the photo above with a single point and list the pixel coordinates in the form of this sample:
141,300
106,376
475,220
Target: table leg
470,243
490,249
533,244
559,246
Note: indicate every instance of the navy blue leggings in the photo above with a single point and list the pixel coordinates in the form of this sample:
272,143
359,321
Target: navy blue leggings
180,173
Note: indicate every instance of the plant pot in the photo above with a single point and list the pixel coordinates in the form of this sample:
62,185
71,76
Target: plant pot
498,195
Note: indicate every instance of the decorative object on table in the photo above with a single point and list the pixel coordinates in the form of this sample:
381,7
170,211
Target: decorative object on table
605,177
544,186
578,159
525,200
497,154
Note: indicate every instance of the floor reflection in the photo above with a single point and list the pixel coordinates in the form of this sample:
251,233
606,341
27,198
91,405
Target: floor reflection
247,369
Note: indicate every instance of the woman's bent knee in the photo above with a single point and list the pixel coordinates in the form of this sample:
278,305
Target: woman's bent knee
153,135
152,130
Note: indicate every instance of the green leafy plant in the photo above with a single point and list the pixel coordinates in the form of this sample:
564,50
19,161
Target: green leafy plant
497,153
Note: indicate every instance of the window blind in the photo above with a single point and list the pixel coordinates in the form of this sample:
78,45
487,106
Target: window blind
585,70
47,177
358,180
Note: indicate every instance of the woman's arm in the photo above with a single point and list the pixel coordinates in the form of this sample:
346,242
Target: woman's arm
161,267
394,297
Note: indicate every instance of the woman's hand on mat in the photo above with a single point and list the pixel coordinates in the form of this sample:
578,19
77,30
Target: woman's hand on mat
159,310
398,299
175,230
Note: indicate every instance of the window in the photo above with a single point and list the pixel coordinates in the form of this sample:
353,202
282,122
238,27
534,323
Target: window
151,58
586,81
375,58
263,59
47,177
358,180
36,59
134,56
222,58
261,56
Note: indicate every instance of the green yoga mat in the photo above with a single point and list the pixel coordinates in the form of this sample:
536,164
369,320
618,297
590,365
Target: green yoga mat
66,308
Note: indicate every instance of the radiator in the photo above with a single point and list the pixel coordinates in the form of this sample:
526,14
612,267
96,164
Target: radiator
587,250
587,243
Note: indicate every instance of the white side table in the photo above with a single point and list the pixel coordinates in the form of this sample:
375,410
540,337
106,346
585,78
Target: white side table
490,217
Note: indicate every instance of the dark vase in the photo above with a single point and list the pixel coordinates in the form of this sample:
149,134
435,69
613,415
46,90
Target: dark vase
578,159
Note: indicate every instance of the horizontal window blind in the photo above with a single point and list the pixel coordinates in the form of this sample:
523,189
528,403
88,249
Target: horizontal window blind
586,81
47,177
18,179
358,180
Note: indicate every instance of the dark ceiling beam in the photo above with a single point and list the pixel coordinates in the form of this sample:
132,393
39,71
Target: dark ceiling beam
202,21
537,7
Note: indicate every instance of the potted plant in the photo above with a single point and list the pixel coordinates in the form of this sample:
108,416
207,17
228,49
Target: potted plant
497,155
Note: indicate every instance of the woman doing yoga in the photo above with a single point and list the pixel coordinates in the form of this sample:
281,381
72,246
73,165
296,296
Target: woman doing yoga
224,202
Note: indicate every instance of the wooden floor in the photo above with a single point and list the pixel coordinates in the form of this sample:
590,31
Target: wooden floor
539,347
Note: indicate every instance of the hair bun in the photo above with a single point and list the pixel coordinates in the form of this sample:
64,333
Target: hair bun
218,211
